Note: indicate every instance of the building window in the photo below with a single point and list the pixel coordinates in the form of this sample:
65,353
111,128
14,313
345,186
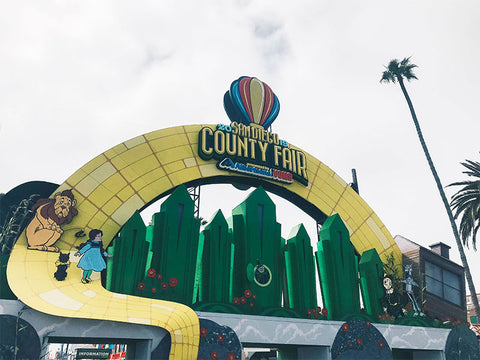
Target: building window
442,283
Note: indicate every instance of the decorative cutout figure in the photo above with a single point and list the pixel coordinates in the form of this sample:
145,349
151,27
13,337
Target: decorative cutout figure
62,265
391,301
409,284
92,251
44,229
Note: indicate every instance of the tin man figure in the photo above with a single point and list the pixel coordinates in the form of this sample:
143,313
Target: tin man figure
409,284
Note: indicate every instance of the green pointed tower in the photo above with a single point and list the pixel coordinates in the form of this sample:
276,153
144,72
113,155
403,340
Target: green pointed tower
371,276
337,266
130,252
216,239
300,271
175,232
258,259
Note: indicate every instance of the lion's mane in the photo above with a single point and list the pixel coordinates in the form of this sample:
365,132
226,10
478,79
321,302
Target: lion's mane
48,211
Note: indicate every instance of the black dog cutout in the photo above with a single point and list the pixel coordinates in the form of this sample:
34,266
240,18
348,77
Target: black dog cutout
62,265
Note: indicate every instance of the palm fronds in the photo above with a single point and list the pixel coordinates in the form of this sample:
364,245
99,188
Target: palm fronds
466,203
397,70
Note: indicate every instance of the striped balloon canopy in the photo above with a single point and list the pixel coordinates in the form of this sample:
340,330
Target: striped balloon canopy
251,101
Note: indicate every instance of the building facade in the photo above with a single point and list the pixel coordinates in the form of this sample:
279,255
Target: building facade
441,282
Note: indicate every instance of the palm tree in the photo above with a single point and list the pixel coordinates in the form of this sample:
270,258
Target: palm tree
466,202
398,71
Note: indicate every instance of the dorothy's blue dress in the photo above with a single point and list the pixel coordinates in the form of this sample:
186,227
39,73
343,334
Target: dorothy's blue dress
92,258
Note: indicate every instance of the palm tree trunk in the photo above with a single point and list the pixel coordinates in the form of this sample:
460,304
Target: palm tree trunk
463,258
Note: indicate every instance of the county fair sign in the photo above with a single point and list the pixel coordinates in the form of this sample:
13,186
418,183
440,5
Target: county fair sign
246,146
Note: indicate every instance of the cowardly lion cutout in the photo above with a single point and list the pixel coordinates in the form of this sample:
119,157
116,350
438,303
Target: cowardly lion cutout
44,229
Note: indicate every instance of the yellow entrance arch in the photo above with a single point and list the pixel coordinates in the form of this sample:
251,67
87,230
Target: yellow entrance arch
127,177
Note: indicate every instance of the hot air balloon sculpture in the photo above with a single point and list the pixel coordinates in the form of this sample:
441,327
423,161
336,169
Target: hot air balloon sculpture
251,102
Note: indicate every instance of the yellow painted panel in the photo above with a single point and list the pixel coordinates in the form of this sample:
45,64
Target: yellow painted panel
342,182
129,174
361,207
139,183
317,191
126,210
97,221
367,231
344,208
348,226
190,162
110,229
193,138
333,193
312,163
210,170
129,144
169,142
78,176
148,178
87,185
200,161
112,205
119,162
103,172
297,188
131,156
175,154
138,313
164,133
145,165
174,166
100,196
115,151
184,175
375,228
93,164
126,193
323,204
326,170
88,209
115,183
154,189
359,240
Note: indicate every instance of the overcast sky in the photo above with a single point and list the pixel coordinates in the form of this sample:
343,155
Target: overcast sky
79,77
